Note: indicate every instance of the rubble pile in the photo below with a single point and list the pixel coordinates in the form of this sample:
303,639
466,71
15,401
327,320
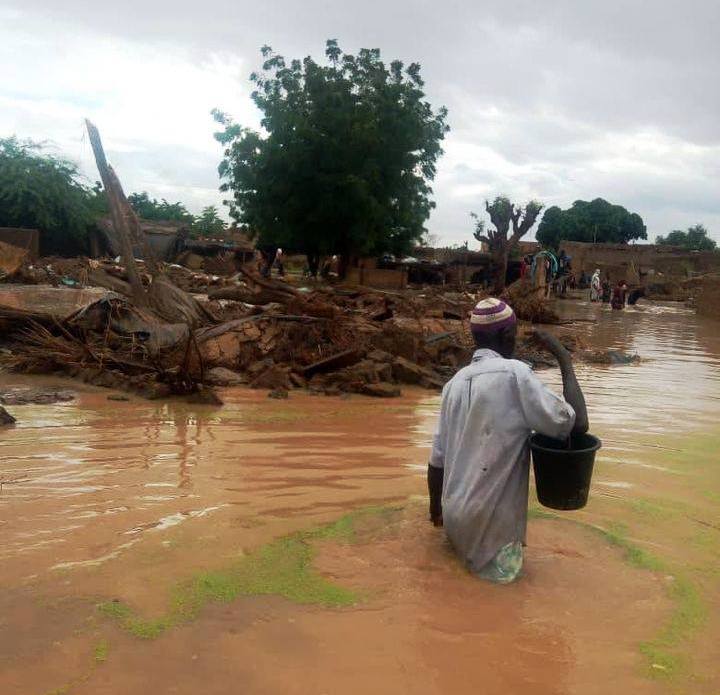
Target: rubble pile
335,340
267,334
529,303
87,272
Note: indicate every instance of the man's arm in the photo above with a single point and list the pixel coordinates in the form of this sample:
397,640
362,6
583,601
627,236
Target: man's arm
436,465
571,389
435,484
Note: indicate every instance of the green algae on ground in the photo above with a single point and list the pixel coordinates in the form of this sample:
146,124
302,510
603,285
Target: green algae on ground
656,509
347,527
123,614
281,568
536,512
666,652
100,655
616,534
101,651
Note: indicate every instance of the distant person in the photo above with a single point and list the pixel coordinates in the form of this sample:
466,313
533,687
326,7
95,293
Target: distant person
524,267
595,286
549,280
264,258
635,295
260,263
326,268
479,465
606,291
279,262
563,263
618,295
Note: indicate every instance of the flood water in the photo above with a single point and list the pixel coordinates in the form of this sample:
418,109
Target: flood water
109,500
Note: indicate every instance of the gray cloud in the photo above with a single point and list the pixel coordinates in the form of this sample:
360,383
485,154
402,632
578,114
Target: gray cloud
558,101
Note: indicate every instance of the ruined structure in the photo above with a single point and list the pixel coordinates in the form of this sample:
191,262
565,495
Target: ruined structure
639,263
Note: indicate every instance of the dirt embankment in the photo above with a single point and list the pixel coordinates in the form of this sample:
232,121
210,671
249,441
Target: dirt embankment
707,299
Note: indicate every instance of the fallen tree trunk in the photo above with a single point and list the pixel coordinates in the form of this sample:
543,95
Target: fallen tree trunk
170,302
242,294
117,213
268,284
100,278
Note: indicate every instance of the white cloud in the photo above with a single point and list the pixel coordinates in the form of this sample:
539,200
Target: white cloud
557,101
151,102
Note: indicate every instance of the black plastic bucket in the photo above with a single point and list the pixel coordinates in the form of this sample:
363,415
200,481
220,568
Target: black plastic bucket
562,474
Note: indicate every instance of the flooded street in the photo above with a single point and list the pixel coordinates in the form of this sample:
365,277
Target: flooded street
195,549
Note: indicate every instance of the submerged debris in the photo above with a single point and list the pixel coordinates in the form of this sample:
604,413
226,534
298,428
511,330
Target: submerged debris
44,396
6,418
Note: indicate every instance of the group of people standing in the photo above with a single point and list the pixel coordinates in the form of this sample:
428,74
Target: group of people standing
268,258
601,290
553,272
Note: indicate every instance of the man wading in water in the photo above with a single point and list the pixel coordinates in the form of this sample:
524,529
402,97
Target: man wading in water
480,461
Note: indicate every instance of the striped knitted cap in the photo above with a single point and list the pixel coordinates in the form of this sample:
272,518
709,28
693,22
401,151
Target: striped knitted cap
491,315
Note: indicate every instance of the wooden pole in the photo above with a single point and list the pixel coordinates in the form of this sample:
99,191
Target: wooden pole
120,222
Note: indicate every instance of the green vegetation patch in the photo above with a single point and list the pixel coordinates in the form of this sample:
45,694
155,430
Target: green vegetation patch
665,652
616,534
281,568
101,651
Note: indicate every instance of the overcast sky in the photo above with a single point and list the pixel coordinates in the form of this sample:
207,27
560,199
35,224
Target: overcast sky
557,100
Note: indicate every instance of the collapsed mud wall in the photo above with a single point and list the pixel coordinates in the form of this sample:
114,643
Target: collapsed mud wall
707,299
638,262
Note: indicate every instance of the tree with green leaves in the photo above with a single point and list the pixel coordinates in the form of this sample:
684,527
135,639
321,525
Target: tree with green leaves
345,166
148,208
596,221
208,223
695,239
39,190
504,216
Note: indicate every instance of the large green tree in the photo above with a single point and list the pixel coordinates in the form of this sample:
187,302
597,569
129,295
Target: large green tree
208,223
346,160
695,239
511,222
39,190
148,208
594,221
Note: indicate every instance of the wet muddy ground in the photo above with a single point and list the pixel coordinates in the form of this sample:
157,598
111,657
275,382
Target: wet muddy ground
282,547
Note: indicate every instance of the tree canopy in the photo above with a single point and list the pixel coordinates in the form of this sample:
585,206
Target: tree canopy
39,190
594,221
345,164
695,239
148,208
208,223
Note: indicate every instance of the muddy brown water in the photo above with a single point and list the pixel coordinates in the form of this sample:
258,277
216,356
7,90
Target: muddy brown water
106,500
